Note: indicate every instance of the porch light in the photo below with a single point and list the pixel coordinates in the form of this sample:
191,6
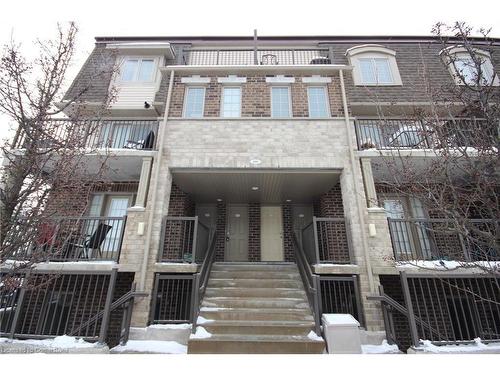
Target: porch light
255,161
288,200
255,188
219,199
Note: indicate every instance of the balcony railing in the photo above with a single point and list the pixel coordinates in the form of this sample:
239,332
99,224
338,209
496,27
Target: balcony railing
437,239
397,133
94,134
184,239
256,56
327,240
74,239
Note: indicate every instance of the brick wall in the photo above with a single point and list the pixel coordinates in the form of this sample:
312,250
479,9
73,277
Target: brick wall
220,230
330,204
180,203
254,232
123,285
256,97
288,233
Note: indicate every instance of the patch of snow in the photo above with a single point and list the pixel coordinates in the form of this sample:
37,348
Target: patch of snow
313,336
150,346
478,345
209,308
446,264
384,348
171,326
60,342
3,309
201,333
202,320
340,319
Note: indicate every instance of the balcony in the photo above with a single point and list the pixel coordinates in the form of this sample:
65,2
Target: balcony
437,239
92,134
404,133
72,239
256,56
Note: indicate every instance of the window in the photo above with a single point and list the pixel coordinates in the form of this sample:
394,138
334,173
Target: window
137,70
467,71
231,102
318,101
374,65
194,102
280,102
375,70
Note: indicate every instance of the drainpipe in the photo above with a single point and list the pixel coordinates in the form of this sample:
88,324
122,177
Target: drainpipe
356,187
157,164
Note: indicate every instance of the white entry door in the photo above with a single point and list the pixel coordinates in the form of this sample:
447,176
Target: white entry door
271,234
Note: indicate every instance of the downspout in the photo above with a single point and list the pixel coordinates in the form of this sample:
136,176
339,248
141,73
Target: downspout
356,188
157,164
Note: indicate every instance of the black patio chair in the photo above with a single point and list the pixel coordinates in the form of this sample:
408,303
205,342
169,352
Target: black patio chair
93,243
145,144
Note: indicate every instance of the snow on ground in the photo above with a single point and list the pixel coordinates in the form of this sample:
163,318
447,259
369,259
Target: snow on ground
150,346
446,264
201,333
340,319
313,336
170,326
384,348
60,342
429,347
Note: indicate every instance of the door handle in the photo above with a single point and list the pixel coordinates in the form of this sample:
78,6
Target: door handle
227,238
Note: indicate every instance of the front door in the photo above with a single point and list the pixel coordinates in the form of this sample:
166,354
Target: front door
271,234
237,233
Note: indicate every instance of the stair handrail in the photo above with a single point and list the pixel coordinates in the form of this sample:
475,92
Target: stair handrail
201,279
311,282
129,296
389,301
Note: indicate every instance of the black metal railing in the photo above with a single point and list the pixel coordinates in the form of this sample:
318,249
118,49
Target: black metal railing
183,239
298,56
439,239
91,134
173,296
95,238
43,305
340,295
442,309
407,133
327,240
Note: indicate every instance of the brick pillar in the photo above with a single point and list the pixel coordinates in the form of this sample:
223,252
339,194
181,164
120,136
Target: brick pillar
288,233
220,229
254,232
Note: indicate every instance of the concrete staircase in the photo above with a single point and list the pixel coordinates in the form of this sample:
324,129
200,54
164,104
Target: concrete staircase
255,308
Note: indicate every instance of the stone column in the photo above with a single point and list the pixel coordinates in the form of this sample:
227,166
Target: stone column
369,183
142,190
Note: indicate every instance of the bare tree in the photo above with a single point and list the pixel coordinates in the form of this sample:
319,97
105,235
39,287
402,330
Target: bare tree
456,177
46,156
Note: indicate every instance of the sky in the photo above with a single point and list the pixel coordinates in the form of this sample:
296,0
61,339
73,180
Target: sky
27,20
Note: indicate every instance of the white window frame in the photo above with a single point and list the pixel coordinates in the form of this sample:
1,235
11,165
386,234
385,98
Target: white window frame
224,87
373,51
456,52
185,101
134,82
327,101
290,111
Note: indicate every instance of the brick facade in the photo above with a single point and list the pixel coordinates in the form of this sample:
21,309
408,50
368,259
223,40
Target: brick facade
221,232
288,233
254,232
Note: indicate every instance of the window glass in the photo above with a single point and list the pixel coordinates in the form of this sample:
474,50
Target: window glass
146,71
318,103
467,69
195,97
129,70
375,70
231,105
280,102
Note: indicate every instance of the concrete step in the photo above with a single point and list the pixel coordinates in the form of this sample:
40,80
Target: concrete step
255,283
258,327
256,344
254,302
256,267
255,292
255,314
287,275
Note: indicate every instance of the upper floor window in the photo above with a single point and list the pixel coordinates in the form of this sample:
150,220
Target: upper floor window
374,65
194,102
231,102
318,101
470,67
138,70
280,101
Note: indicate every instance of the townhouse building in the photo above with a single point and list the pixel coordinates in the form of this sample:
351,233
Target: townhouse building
244,197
